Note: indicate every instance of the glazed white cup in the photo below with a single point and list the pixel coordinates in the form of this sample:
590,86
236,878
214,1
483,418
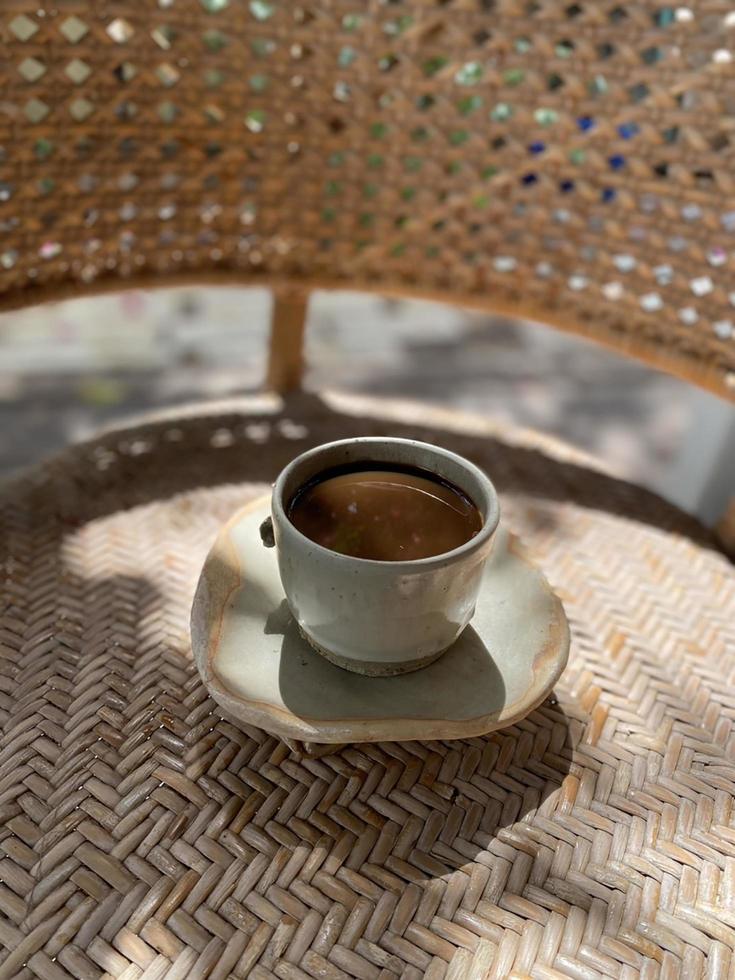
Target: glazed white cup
380,617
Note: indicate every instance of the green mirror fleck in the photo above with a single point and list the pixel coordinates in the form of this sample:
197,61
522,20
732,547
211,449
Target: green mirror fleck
387,62
650,56
501,112
213,114
514,76
469,74
214,40
259,83
395,27
213,77
262,46
255,120
432,66
352,22
598,85
469,104
126,110
124,72
43,149
564,49
164,36
545,116
261,9
638,92
167,112
664,17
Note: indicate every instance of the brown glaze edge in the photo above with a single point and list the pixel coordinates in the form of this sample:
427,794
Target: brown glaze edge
205,636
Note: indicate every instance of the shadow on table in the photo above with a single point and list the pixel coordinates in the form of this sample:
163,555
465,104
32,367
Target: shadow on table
173,455
492,781
455,686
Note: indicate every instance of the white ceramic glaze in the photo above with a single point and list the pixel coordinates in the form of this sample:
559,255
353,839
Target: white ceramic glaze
381,617
258,668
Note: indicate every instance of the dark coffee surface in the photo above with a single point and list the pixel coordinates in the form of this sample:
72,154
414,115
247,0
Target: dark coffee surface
384,514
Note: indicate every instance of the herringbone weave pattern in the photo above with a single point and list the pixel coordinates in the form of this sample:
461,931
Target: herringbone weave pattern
145,836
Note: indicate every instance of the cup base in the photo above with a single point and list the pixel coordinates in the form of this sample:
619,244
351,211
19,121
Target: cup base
372,668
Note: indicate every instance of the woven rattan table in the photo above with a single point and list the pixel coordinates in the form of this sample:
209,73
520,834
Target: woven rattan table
145,836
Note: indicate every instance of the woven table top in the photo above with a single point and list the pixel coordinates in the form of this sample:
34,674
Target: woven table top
143,835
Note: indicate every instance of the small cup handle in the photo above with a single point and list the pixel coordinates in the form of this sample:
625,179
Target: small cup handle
266,533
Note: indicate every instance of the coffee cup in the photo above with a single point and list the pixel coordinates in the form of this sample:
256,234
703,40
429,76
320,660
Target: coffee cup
380,618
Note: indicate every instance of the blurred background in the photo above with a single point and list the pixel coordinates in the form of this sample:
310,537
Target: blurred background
66,369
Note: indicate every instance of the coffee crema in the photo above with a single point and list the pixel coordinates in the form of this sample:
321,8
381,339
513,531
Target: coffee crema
384,512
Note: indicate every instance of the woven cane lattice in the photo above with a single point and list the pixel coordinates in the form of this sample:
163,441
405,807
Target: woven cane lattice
567,160
145,836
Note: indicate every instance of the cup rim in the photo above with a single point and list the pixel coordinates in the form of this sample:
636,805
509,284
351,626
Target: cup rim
485,534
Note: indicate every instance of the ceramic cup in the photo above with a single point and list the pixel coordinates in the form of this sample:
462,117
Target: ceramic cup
380,617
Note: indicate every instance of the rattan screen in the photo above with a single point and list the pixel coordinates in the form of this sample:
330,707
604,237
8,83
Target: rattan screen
571,161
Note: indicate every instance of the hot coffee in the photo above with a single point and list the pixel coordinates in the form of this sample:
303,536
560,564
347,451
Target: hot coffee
385,513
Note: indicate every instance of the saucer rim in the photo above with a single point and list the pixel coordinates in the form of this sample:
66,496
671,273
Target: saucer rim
550,661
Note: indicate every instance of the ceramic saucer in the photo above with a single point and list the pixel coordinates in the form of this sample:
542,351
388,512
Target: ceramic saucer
258,668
